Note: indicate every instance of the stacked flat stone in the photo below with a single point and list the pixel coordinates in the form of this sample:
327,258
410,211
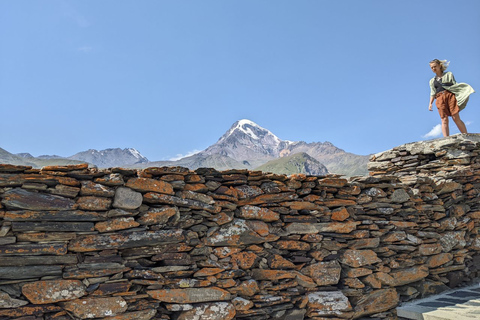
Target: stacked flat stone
170,243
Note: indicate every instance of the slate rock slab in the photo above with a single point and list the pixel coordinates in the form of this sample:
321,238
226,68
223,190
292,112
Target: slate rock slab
24,199
96,307
43,292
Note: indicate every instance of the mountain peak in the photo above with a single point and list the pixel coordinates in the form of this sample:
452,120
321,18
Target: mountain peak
251,130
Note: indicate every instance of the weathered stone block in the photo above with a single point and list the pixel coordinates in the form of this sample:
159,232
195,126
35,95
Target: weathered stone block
43,292
190,295
327,303
210,311
359,258
126,198
90,188
23,199
96,307
121,223
253,212
323,273
376,302
94,203
7,302
29,272
150,185
158,215
123,240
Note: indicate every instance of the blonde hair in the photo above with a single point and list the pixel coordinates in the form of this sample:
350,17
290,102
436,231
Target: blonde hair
442,63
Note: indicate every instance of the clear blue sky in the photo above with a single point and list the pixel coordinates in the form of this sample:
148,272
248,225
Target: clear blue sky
170,77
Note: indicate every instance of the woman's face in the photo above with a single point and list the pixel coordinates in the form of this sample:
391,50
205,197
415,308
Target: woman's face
436,68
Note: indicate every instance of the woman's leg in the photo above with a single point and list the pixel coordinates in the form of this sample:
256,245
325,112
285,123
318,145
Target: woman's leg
460,125
445,128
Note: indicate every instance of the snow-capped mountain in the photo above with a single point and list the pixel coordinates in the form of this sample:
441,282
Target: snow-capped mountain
246,141
114,157
246,145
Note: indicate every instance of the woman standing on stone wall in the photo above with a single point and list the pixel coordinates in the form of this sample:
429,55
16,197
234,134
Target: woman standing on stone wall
451,97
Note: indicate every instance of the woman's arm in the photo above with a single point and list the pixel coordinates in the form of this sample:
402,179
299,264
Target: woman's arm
431,102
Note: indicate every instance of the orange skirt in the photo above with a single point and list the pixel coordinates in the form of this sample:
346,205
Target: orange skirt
447,104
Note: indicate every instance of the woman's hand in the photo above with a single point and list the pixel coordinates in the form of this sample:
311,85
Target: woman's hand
430,107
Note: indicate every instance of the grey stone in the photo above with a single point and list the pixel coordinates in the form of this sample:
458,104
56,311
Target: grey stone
29,272
8,302
126,198
400,196
24,199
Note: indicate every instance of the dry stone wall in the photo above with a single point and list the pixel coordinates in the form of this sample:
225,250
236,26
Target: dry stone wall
170,243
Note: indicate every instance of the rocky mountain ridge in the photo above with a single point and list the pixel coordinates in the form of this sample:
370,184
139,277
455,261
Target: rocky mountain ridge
246,145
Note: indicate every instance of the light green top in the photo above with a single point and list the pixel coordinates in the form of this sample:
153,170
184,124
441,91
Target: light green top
462,91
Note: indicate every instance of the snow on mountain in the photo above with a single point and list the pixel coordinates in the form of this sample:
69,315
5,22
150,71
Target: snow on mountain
113,157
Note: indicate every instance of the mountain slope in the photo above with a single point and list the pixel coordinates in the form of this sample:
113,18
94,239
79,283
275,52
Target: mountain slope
113,157
295,163
250,146
25,159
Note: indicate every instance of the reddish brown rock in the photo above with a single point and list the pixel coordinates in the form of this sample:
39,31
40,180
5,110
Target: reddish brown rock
190,295
278,262
301,205
51,291
253,212
272,275
385,279
430,249
113,179
90,188
359,258
246,288
210,311
292,245
234,234
353,283
242,304
150,185
158,215
327,303
439,259
323,273
244,260
116,224
207,272
376,302
157,171
94,203
268,198
404,224
410,275
223,252
332,182
259,227
372,281
340,214
70,167
96,307
135,315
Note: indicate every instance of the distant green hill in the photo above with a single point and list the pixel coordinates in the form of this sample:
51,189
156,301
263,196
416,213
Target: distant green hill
295,163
